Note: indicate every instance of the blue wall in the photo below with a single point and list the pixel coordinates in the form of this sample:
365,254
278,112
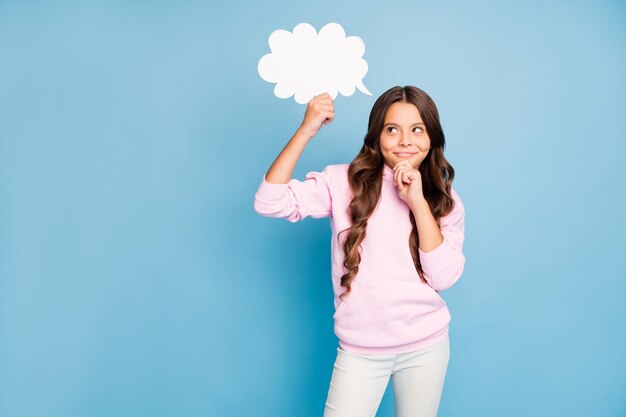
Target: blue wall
137,280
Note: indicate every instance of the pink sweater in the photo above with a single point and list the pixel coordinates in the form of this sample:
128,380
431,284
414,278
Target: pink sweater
390,309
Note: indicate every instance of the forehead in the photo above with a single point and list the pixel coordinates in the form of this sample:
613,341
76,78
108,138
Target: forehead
402,113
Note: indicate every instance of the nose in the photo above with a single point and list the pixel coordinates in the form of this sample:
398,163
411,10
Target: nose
404,139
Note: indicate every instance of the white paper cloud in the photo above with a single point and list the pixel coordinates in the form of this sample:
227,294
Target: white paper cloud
306,63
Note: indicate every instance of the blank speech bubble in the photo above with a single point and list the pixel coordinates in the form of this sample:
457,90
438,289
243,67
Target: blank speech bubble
307,64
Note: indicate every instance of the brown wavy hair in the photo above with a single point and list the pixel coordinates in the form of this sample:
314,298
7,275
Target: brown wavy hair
366,171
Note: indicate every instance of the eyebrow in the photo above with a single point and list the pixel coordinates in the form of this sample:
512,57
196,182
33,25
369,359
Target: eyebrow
395,124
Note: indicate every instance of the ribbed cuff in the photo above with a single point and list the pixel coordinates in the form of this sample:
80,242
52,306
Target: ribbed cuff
269,191
438,256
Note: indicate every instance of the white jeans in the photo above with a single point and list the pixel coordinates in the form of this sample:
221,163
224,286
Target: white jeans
359,381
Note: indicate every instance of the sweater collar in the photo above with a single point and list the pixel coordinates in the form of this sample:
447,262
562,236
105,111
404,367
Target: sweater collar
387,173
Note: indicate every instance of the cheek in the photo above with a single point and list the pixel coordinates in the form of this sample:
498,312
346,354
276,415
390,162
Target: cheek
385,146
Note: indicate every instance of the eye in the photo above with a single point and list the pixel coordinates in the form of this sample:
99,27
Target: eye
389,129
420,129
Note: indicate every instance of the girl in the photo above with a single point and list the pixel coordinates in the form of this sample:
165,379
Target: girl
397,239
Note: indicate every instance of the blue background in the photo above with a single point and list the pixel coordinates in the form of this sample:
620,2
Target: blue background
137,280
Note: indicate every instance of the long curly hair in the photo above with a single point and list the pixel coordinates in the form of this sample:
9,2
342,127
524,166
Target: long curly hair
366,172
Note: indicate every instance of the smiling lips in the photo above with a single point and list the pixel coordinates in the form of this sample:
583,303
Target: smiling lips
404,154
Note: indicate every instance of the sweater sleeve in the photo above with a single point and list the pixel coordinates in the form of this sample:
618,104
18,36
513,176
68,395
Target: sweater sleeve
444,265
296,199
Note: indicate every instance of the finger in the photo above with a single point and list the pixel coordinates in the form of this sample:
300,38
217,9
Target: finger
398,166
407,177
326,99
396,175
323,110
329,117
324,105
397,171
405,164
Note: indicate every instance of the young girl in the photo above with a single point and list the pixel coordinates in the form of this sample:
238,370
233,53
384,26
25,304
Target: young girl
397,240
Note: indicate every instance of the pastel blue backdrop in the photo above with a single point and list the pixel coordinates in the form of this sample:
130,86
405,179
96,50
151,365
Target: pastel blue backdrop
137,280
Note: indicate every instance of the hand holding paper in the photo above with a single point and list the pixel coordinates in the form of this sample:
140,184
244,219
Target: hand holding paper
319,111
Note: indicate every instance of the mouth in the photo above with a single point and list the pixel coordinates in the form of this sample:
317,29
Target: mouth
404,154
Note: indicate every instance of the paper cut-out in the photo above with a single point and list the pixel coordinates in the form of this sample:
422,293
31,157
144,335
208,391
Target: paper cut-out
307,64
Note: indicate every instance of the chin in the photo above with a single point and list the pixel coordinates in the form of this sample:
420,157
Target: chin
414,162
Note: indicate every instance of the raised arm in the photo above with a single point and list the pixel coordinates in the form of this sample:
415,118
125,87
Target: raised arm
281,196
320,110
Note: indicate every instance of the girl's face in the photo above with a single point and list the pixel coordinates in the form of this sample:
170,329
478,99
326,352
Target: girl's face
404,135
